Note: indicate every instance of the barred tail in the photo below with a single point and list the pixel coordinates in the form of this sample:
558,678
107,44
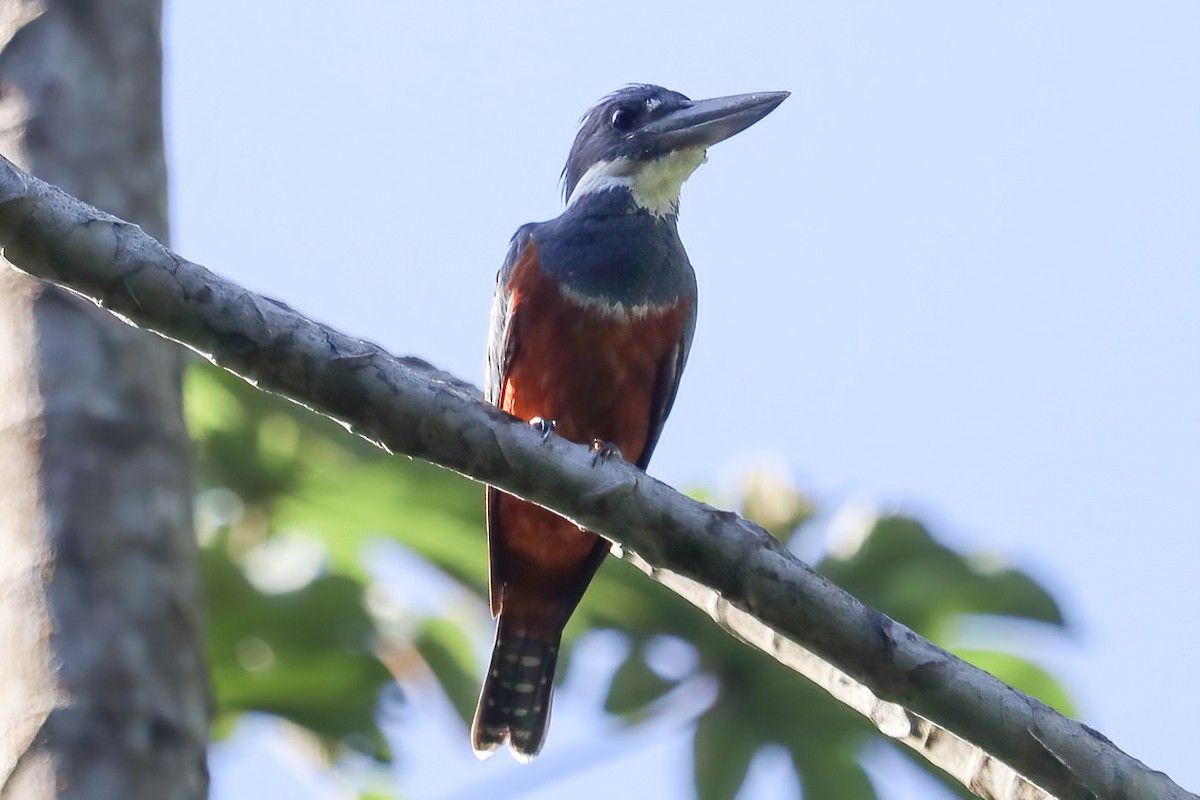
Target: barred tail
514,705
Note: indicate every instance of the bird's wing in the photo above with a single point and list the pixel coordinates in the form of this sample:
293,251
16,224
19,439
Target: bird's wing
667,386
502,347
501,342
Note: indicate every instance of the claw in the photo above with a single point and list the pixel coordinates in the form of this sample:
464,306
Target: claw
603,451
544,426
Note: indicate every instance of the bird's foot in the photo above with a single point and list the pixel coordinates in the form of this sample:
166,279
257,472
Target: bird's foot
603,451
544,426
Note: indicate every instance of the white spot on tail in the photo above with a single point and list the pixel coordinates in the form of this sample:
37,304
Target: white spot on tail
486,751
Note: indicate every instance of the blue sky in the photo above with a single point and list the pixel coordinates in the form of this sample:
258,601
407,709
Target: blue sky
957,273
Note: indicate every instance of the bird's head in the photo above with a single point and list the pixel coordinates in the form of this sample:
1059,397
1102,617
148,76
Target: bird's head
648,140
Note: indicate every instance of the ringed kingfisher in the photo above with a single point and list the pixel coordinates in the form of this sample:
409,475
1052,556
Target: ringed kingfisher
591,323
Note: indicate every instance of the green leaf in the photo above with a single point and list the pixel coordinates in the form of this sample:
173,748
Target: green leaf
210,402
448,652
1010,593
844,779
225,423
724,746
826,752
901,570
435,513
305,655
223,725
635,686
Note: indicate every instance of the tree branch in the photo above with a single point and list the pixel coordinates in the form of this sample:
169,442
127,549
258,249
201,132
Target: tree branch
959,717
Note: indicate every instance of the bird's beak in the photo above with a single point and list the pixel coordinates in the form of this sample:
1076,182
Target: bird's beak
706,122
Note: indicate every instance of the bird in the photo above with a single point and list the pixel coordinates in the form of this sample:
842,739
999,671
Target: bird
591,324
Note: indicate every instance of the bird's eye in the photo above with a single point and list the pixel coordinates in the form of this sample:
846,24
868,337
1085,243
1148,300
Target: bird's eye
623,119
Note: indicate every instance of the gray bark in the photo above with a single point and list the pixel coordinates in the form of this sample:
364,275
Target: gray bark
99,627
999,742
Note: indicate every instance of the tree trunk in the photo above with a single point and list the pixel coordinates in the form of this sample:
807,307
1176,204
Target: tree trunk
103,683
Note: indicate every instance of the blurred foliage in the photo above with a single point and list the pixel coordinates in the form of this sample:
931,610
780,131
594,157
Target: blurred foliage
305,655
301,643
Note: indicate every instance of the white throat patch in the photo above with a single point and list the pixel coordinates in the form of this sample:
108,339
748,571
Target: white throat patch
655,185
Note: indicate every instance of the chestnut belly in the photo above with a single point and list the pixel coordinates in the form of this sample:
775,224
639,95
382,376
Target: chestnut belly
594,374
